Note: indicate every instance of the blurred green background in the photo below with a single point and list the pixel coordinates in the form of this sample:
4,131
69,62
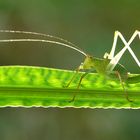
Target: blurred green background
88,23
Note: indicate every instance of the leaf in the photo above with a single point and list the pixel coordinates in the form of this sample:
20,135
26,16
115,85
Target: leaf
28,86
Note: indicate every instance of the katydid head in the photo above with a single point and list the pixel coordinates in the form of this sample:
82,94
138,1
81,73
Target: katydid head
88,63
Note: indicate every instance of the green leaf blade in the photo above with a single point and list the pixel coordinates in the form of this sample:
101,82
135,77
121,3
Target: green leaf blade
28,86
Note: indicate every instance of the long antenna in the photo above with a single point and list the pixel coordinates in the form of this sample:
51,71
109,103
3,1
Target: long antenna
45,41
41,34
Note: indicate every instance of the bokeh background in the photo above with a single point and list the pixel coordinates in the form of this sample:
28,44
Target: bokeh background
88,23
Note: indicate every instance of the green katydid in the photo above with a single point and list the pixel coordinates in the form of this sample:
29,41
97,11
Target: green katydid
107,66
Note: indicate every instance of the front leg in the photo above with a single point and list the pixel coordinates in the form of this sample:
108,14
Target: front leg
80,81
77,71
